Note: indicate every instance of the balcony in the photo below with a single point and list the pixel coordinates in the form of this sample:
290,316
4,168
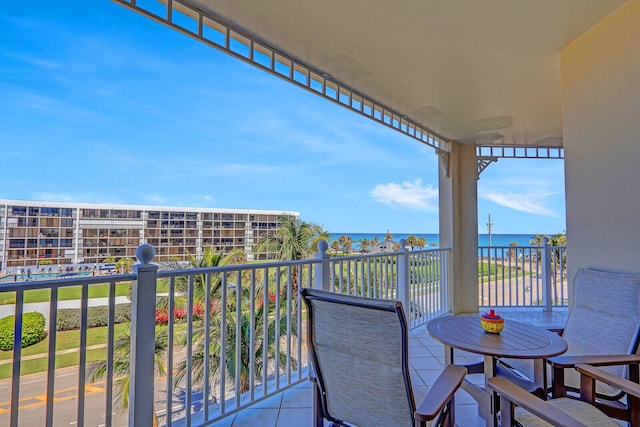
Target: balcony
168,315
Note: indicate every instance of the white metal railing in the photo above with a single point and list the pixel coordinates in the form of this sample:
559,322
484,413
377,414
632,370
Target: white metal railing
222,338
522,276
61,394
417,278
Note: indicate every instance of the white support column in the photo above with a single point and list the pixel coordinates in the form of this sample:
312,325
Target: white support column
459,225
322,271
546,274
142,362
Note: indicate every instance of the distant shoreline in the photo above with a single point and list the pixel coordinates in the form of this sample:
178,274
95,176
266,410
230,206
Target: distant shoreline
483,239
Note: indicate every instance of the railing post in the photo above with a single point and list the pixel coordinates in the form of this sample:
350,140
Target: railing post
322,270
546,274
403,285
142,347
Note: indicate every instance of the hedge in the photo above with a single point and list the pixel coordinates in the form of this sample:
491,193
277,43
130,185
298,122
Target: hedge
69,318
32,330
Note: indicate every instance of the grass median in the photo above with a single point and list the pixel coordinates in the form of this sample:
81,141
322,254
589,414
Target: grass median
67,293
69,340
65,340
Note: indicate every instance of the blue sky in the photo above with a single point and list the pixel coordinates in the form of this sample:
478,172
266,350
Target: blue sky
101,105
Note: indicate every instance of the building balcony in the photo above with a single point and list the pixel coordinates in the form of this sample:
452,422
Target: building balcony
68,392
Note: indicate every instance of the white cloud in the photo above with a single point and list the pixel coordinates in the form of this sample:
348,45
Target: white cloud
411,195
532,202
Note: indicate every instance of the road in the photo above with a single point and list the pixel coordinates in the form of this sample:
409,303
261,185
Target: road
33,401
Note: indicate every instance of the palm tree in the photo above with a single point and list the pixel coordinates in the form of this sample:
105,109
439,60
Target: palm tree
513,251
121,364
294,239
346,242
412,241
375,242
335,246
365,245
422,242
209,259
275,332
538,240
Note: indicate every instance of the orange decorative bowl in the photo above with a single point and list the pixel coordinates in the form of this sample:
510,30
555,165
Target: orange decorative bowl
492,322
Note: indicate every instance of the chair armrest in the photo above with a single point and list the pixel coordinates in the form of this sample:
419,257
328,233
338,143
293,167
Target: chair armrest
598,374
558,331
538,407
441,392
595,360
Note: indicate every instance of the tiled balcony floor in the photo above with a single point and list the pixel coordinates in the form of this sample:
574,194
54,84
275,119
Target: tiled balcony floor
293,407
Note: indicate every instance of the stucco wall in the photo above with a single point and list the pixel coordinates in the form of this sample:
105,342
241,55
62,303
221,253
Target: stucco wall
601,113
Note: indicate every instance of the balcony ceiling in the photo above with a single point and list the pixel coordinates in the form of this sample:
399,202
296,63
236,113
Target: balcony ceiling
483,72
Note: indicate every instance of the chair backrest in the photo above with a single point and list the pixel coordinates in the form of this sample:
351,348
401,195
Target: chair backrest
359,352
604,318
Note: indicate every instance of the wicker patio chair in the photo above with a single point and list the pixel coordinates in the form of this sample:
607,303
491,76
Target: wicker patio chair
521,408
603,324
359,354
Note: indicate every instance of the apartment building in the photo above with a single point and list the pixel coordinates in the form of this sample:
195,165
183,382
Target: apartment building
39,233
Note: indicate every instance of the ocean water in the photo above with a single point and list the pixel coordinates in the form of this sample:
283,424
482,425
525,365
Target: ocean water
483,239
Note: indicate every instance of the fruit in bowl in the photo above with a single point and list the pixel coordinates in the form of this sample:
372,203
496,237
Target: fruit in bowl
492,322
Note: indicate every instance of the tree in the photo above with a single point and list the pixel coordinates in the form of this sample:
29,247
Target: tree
559,256
537,240
275,332
388,237
209,259
335,246
421,242
123,265
346,243
513,251
412,241
293,240
121,368
558,239
365,245
375,242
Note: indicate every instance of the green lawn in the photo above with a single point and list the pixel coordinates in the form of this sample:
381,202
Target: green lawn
75,292
69,339
66,340
40,365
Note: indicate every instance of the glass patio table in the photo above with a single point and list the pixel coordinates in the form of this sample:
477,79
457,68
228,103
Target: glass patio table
518,340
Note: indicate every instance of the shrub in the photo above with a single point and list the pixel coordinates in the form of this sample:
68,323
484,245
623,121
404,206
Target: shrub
69,318
162,315
32,330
